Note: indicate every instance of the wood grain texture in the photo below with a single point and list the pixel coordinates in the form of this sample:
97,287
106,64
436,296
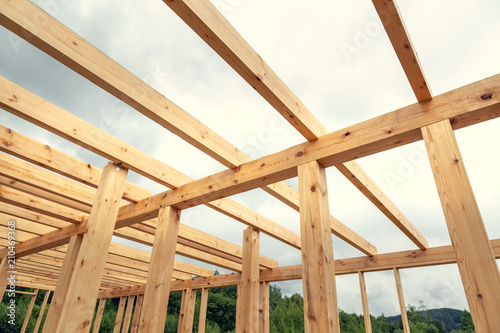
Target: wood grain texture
98,315
364,301
28,312
394,25
137,313
202,321
318,271
247,319
264,307
186,315
475,258
119,315
401,299
128,314
160,272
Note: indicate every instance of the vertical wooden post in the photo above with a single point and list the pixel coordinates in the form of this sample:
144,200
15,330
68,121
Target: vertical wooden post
119,314
3,275
364,300
42,311
79,305
62,286
318,272
264,307
186,315
203,310
128,313
98,316
401,298
28,313
248,299
476,262
160,271
137,313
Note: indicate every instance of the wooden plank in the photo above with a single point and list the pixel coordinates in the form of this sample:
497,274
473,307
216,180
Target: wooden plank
98,316
186,315
65,125
367,186
42,311
219,34
32,216
62,287
43,206
464,105
4,275
128,314
202,321
160,271
30,150
364,301
119,315
28,312
318,272
247,319
402,304
137,313
395,27
82,293
264,307
475,258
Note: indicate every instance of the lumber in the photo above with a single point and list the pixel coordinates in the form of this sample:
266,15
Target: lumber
186,315
4,263
318,271
28,313
81,297
137,313
202,320
247,318
475,258
463,105
128,314
98,316
395,27
364,301
401,299
160,271
42,311
264,307
119,315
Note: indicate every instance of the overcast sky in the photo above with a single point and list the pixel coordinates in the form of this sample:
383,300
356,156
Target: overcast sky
337,59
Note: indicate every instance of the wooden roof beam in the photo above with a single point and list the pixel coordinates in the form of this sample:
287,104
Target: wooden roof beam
217,32
115,79
394,25
465,106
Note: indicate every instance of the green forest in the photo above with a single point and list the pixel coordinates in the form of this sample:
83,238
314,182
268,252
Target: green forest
286,315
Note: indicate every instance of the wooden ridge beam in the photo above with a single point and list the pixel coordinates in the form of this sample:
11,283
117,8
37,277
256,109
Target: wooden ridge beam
394,25
115,79
465,106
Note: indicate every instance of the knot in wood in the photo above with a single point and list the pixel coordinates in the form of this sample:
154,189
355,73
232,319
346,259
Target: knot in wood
486,97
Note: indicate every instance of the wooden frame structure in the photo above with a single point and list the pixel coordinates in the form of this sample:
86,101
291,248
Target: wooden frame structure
66,210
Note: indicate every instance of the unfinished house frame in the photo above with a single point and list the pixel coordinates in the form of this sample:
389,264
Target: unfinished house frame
66,210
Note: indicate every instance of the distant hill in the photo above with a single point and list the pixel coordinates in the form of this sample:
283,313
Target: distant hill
450,318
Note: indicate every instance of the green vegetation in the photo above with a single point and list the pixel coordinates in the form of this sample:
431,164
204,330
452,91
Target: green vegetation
286,315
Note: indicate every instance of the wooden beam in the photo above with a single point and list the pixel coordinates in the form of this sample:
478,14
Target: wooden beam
402,304
28,312
119,315
186,315
364,300
48,157
367,186
248,297
98,315
137,313
4,275
128,314
264,307
318,271
82,293
65,125
42,311
394,25
475,258
63,283
160,270
32,216
43,206
464,105
202,321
